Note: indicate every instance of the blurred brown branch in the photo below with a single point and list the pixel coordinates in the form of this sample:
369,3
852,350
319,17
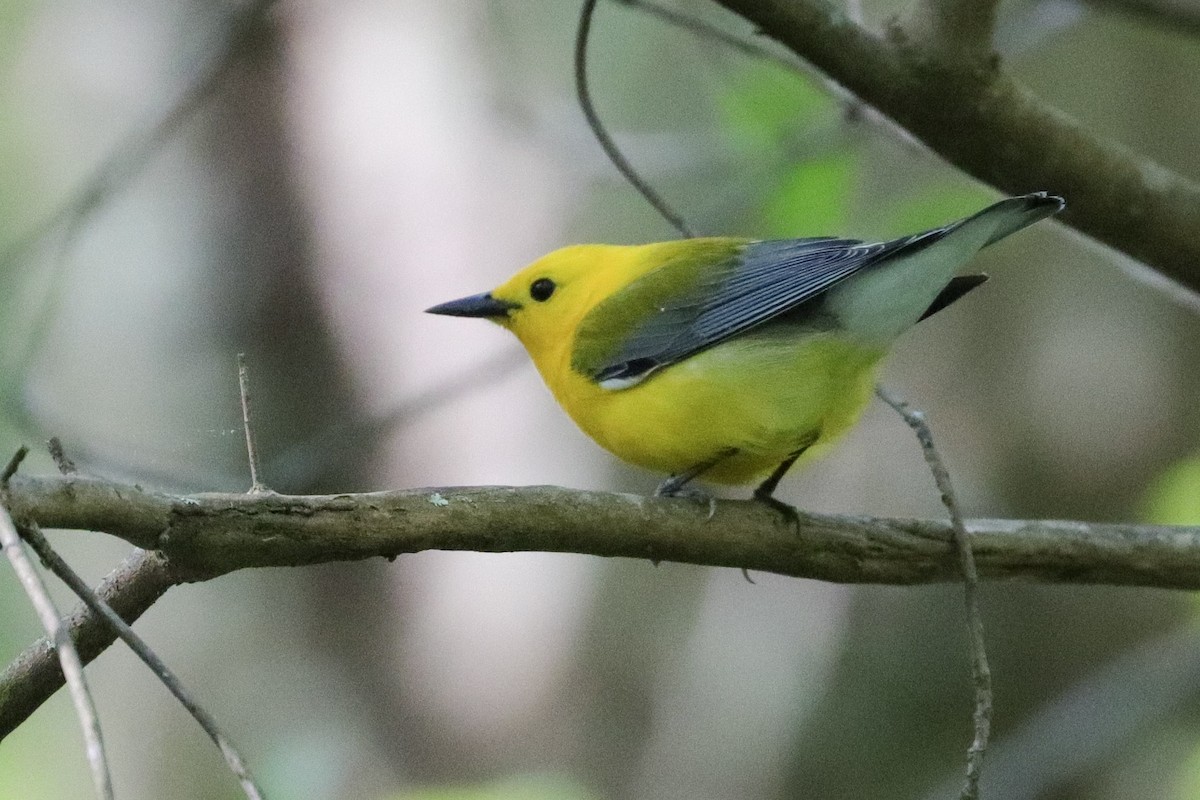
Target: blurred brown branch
1176,16
970,112
202,536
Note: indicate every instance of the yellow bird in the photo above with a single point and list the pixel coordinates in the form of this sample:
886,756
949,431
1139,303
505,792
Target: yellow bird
730,358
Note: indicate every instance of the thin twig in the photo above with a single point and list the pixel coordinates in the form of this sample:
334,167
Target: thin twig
610,147
256,485
72,667
980,671
13,465
35,674
1115,705
59,567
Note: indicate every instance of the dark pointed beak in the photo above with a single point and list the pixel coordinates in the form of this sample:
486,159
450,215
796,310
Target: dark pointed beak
477,305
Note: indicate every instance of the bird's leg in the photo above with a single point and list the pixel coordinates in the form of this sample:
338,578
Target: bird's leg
674,485
766,490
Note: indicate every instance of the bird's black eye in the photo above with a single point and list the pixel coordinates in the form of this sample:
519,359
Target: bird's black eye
541,289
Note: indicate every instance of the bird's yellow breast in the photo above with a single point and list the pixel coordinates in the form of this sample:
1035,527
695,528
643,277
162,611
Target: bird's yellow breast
765,397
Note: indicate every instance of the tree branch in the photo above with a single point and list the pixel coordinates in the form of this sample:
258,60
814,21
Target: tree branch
35,674
206,535
1175,16
982,121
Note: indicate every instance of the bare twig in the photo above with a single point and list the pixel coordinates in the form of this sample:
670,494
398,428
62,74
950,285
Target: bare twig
72,667
980,671
68,576
36,674
610,147
1100,715
256,485
13,465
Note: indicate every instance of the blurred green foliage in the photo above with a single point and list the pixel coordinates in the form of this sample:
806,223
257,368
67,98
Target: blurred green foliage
763,106
1174,499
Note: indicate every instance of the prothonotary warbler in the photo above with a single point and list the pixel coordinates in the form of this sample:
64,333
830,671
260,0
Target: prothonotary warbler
728,359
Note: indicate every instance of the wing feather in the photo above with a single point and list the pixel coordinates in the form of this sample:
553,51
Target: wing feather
762,281
727,292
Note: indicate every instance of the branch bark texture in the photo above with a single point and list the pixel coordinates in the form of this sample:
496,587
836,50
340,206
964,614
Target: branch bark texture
981,120
201,536
205,535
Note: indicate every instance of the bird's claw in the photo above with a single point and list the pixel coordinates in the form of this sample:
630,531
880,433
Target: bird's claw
669,488
789,512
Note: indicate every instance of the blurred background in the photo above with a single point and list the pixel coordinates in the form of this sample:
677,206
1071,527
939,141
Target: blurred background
182,180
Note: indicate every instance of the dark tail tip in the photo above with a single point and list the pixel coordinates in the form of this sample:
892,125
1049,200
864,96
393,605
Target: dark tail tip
1020,212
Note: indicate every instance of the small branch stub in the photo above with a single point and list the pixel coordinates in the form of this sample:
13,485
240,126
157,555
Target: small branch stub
256,485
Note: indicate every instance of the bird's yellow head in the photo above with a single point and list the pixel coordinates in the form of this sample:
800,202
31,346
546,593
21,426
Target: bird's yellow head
544,303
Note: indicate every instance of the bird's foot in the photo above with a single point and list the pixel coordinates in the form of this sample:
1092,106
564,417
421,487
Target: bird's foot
789,512
674,487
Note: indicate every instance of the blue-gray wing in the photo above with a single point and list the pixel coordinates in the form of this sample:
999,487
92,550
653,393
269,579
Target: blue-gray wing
740,289
763,281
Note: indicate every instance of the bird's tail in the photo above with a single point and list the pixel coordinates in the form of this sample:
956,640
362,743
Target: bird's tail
909,275
1015,213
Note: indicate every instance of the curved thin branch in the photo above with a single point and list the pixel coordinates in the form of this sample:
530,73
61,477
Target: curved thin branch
981,673
992,127
601,133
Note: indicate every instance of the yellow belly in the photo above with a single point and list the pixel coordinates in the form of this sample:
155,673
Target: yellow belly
763,398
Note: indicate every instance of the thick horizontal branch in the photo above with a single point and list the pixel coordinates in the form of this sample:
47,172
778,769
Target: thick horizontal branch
981,120
196,537
205,535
